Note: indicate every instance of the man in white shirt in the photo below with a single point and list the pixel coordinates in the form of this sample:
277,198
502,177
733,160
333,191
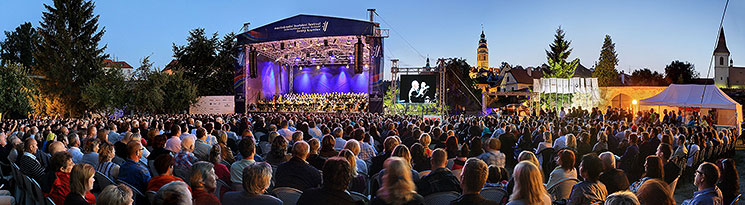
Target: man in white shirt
285,131
560,142
74,150
314,131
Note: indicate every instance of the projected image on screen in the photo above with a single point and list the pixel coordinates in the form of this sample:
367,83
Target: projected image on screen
417,89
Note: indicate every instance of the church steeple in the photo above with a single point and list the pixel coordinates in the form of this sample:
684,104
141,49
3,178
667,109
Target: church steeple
482,52
721,43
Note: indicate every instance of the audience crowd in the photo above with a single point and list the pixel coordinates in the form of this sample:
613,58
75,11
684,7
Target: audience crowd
575,157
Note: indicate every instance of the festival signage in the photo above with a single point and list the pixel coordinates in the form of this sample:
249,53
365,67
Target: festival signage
566,86
307,26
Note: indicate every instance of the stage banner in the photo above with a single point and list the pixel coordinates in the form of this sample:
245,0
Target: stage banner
574,85
582,86
554,86
563,86
546,85
307,26
376,71
537,85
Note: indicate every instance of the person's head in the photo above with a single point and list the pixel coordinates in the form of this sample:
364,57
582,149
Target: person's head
664,151
215,154
117,195
314,144
279,146
494,144
159,141
571,141
439,158
590,167
403,152
327,143
247,148
528,156
134,149
61,162
353,145
528,184
29,145
655,191
338,132
451,146
203,176
57,146
397,182
187,144
474,175
81,178
300,149
106,153
175,192
91,145
257,177
653,167
609,160
494,175
350,157
164,164
622,198
566,159
706,175
425,139
74,140
389,143
336,174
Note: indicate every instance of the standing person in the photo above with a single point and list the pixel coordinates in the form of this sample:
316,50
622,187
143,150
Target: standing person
398,187
132,171
529,187
81,183
705,180
473,178
590,190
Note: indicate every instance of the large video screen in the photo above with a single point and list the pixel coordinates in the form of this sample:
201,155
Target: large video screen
418,88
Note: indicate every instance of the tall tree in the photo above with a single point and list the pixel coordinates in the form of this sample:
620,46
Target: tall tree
557,55
680,72
462,93
16,91
19,46
106,93
605,69
198,60
647,77
69,56
179,93
225,68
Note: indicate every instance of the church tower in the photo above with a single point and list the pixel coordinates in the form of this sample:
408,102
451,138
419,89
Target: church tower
721,62
482,53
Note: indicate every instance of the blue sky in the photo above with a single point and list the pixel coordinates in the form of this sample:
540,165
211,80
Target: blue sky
647,34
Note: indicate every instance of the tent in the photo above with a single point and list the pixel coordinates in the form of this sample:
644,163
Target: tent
704,97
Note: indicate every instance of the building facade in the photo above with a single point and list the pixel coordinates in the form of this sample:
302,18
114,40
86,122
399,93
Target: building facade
482,53
726,75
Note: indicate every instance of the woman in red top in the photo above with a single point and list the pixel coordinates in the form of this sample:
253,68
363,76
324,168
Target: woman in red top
221,170
203,182
164,167
81,183
62,164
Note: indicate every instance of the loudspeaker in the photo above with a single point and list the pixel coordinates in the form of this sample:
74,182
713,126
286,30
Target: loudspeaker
358,56
252,64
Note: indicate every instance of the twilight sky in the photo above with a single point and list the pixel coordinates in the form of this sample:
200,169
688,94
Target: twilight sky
647,34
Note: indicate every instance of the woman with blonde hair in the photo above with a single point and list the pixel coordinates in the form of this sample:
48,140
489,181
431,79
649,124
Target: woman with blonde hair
81,183
106,153
226,152
530,157
398,187
359,181
425,140
399,151
529,187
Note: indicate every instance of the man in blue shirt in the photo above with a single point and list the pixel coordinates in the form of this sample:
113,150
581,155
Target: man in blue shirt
706,178
132,170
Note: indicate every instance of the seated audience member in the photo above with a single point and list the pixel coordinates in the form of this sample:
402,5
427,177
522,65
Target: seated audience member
359,182
313,158
159,147
398,186
247,149
473,178
185,158
81,183
729,181
399,151
565,171
705,180
215,158
116,195
56,183
529,187
653,170
377,162
28,162
590,190
337,174
74,145
492,156
440,179
164,168
354,146
203,183
278,152
133,171
256,179
671,170
105,165
614,179
327,147
655,191
90,148
419,159
176,192
497,177
296,172
201,147
622,198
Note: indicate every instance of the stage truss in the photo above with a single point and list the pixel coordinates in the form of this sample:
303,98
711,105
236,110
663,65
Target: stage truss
440,92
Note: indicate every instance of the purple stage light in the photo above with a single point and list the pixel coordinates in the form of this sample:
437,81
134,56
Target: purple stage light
297,59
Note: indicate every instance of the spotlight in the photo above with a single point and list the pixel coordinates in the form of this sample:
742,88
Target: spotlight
318,67
297,59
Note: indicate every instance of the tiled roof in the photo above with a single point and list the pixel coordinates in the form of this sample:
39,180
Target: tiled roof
110,64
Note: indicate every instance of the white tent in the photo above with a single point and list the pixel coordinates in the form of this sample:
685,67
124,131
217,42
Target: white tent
705,97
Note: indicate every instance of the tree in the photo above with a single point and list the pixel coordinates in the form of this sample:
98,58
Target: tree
680,73
605,69
16,90
207,61
106,93
461,92
647,77
179,93
557,54
145,69
69,57
19,46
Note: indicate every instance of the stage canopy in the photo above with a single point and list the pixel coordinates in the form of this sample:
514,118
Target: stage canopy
706,97
307,26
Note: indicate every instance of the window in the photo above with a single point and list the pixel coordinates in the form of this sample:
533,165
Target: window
721,60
